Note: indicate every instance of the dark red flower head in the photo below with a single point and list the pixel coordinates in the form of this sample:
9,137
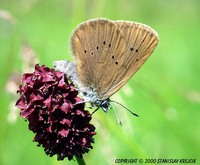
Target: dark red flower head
48,101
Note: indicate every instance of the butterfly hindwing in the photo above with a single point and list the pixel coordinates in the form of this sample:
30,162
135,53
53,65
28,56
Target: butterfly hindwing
98,47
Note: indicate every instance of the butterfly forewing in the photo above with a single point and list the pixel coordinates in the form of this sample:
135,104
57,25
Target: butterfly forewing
107,53
98,47
141,41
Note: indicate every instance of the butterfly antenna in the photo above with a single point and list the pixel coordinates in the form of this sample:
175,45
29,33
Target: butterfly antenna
118,119
125,108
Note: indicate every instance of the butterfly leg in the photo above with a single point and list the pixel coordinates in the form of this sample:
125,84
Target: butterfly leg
95,110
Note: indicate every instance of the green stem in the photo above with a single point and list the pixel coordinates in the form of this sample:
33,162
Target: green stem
80,160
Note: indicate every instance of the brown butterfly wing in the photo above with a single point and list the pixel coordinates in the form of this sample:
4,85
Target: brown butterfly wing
107,53
141,41
98,47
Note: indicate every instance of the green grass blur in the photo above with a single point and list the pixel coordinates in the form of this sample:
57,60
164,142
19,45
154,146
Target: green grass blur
165,92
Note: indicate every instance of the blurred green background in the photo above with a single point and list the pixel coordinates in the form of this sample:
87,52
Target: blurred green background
165,92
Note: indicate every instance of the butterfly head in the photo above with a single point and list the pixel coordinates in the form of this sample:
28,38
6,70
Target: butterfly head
104,104
95,100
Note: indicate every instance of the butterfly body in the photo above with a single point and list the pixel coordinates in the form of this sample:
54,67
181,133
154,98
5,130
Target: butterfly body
106,55
87,93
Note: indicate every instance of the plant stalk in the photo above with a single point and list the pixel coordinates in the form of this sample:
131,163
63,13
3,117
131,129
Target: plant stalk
80,160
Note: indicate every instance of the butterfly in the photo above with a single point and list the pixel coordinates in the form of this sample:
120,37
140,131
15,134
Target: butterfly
106,55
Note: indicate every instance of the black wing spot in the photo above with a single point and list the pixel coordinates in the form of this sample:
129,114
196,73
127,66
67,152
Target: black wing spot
109,45
97,48
116,62
104,42
136,59
85,51
92,53
131,49
136,50
113,56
